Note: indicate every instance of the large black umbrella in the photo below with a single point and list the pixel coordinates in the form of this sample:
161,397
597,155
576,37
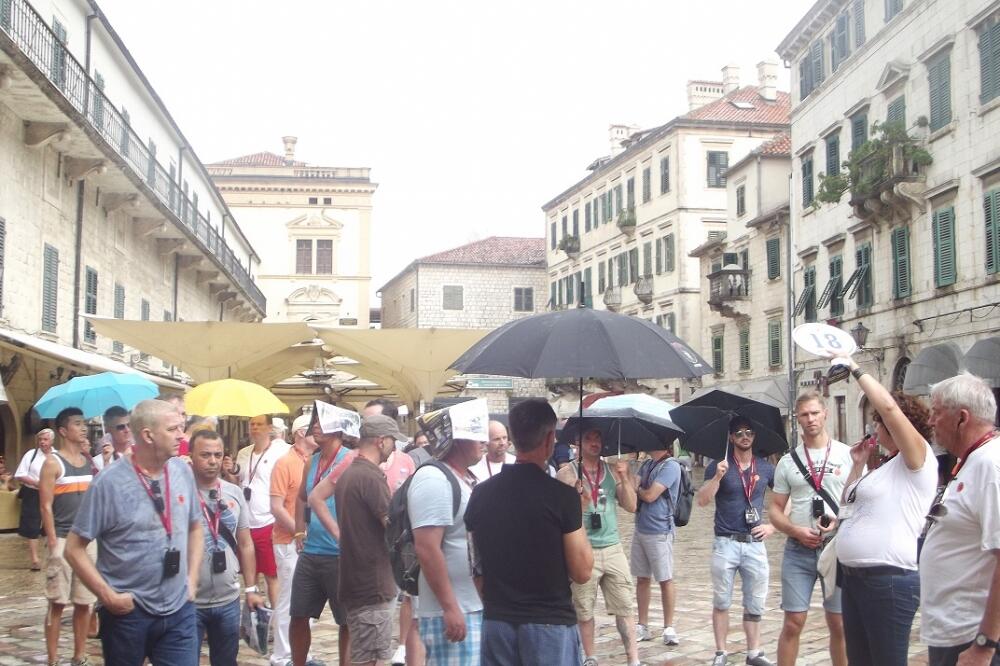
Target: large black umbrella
706,420
625,432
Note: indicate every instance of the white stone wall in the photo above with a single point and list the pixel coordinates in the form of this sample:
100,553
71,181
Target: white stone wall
488,294
965,157
396,310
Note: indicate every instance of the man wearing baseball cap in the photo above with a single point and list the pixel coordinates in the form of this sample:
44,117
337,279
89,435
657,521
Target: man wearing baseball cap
366,584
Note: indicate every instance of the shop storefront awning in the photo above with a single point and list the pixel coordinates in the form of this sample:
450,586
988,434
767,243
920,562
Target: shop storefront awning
931,365
983,359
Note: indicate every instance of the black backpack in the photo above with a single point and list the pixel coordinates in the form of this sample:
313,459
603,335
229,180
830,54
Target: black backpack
399,533
685,497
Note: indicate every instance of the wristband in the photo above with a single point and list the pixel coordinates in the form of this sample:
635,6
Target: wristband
298,534
251,590
857,372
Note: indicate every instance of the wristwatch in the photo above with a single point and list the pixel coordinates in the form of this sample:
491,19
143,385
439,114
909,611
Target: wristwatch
982,640
251,590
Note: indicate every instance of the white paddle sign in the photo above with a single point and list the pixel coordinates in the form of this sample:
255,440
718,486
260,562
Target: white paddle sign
824,340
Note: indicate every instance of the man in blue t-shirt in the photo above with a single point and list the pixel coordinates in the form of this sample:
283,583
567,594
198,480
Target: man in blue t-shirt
652,554
738,484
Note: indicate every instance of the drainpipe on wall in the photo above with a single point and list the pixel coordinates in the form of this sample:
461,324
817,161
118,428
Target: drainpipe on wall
77,263
789,318
177,274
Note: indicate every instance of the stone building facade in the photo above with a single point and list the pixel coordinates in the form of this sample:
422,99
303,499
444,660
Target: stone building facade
316,224
483,284
105,209
912,249
625,231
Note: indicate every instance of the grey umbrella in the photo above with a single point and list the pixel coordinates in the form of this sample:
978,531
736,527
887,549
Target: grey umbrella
983,358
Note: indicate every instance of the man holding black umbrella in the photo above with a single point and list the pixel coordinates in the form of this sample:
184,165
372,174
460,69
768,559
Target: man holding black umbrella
601,489
737,484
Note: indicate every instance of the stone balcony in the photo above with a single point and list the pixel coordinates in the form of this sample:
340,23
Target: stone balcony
727,290
893,187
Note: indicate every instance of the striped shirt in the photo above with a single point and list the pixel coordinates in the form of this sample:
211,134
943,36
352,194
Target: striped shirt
71,484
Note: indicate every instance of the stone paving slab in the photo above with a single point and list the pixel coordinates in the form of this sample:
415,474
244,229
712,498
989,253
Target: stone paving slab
22,609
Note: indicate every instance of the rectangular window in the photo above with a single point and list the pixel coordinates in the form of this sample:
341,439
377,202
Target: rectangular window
303,256
324,256
809,293
89,303
807,181
327,201
939,83
896,113
664,175
570,283
588,288
58,71
668,253
553,235
601,277
524,299
50,288
630,193
858,13
552,295
943,237
576,222
618,198
774,342
744,349
313,201
718,355
452,297
831,293
413,300
586,217
900,242
840,43
718,163
811,71
633,265
98,103
659,256
989,61
119,313
833,154
863,257
741,200
167,316
892,7
565,226
611,272
672,322
859,130
622,261
144,316
991,204
773,247
647,259
647,185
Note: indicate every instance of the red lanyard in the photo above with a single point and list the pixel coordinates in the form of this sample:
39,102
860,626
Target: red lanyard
253,468
749,486
164,512
321,471
968,452
595,486
212,518
817,479
490,469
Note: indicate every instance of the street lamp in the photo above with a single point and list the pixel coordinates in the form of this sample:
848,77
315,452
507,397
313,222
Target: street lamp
860,335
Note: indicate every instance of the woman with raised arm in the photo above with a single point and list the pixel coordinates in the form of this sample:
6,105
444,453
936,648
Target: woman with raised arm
881,514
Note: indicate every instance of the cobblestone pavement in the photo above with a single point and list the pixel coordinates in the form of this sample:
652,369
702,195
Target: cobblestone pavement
22,608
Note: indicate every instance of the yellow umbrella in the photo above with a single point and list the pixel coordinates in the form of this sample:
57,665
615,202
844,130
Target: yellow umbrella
232,397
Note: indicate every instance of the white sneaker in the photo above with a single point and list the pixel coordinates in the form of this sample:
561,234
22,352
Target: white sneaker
399,656
670,637
642,633
720,659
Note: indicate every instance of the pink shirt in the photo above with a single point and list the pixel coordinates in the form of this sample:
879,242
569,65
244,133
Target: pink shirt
398,469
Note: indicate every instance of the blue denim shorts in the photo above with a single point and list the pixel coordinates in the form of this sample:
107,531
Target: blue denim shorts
530,644
750,560
798,578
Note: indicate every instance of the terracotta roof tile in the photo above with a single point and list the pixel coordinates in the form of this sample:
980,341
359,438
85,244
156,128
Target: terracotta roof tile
756,109
261,159
493,250
779,146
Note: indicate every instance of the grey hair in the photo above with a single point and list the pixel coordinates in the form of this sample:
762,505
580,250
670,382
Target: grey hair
148,413
45,431
969,392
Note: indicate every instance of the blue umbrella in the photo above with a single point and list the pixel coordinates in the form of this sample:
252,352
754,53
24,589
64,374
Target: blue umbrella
96,393
632,404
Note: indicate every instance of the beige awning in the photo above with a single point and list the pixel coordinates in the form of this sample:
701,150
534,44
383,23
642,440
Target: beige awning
209,350
412,362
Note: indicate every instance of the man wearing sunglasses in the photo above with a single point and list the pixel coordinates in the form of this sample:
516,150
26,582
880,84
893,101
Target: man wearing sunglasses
737,484
117,441
960,560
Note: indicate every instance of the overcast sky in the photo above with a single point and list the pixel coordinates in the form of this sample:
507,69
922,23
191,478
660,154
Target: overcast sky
471,114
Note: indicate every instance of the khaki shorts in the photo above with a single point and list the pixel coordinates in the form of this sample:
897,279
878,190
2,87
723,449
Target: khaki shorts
371,632
62,586
612,574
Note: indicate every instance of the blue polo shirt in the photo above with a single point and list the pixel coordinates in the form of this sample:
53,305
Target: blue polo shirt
657,517
731,501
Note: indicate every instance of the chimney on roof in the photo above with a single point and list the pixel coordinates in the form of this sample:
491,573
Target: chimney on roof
290,142
619,133
767,79
701,93
730,78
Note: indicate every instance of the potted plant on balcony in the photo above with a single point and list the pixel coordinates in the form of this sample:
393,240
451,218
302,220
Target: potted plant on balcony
571,246
891,156
626,221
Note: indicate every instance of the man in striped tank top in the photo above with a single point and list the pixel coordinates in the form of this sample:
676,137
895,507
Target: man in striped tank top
64,479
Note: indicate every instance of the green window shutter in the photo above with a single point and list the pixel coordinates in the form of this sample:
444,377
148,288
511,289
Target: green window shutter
588,288
586,216
659,256
900,262
805,76
119,313
837,278
774,342
939,82
553,238
809,286
5,13
601,277
991,203
718,163
672,322
647,259
858,13
896,112
817,62
89,303
664,175
576,222
633,265
744,349
622,260
647,186
668,253
807,181
859,130
989,62
773,247
833,154
50,289
718,356
552,294
943,233
863,286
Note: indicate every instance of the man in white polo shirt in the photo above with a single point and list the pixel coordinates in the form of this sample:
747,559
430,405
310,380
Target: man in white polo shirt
497,453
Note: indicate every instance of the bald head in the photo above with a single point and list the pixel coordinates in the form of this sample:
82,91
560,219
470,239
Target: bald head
496,448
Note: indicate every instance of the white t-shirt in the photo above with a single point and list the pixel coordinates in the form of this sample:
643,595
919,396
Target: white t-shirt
788,480
260,466
956,565
883,523
484,469
430,504
31,465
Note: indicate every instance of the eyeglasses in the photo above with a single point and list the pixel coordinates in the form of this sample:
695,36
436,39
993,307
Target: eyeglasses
122,427
938,510
743,432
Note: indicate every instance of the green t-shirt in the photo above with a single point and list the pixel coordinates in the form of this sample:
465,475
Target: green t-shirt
607,509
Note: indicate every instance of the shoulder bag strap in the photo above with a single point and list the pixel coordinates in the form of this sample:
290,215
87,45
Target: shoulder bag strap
821,491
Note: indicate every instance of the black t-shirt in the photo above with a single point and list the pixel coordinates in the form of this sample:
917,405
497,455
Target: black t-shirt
517,520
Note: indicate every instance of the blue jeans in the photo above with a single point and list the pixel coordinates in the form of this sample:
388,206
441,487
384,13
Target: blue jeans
506,644
222,626
167,640
878,614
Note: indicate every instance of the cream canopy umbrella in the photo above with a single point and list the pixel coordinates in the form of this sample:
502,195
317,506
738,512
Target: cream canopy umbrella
209,350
